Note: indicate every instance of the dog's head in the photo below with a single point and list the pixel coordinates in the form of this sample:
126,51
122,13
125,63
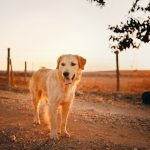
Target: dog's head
69,67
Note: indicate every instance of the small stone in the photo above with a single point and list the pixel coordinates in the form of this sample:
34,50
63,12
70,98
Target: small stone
79,93
3,132
13,138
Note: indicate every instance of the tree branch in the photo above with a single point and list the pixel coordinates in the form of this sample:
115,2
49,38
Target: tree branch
98,2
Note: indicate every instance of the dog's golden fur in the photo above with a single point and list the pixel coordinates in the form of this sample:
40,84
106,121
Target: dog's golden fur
58,89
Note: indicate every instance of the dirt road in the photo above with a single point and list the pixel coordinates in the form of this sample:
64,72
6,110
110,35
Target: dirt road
103,125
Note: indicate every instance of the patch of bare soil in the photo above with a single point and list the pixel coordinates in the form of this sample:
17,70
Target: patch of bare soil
97,125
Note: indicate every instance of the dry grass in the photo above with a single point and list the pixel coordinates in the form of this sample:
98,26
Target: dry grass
102,81
130,81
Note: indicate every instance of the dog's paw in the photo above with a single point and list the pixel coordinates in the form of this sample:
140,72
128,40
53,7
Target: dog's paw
59,132
36,122
65,134
54,137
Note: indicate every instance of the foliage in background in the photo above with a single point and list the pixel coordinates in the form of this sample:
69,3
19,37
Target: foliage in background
131,33
100,3
134,31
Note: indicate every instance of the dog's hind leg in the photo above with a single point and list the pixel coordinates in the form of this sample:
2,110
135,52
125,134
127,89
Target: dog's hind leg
36,101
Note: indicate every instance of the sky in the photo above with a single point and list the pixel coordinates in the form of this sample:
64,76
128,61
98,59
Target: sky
39,31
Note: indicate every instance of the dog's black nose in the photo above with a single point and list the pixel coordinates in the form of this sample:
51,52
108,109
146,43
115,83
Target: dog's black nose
66,74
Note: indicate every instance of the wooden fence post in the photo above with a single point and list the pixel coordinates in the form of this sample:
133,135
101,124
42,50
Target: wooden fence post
11,74
8,67
117,72
25,72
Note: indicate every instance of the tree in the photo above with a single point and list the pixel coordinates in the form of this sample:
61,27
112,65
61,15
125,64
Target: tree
131,33
134,31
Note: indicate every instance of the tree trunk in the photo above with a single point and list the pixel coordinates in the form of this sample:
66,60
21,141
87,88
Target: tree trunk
117,72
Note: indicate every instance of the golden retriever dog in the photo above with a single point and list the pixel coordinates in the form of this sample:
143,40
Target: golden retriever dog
58,88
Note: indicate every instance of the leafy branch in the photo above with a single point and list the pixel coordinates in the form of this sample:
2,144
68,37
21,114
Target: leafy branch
127,34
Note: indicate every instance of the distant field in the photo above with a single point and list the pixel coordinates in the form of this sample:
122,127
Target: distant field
130,81
101,81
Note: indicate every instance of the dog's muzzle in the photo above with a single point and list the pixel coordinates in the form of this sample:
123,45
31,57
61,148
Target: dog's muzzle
68,80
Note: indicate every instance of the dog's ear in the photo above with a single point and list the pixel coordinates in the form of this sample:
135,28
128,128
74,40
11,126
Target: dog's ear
58,62
82,62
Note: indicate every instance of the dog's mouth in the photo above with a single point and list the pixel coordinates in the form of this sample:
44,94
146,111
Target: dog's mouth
67,80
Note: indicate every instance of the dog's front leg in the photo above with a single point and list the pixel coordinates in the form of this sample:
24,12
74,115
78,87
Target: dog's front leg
65,111
53,120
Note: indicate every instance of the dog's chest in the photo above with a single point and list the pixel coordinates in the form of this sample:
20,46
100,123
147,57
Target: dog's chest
66,95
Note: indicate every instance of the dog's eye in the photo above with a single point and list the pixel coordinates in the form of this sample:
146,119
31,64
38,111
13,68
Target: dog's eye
63,64
73,64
